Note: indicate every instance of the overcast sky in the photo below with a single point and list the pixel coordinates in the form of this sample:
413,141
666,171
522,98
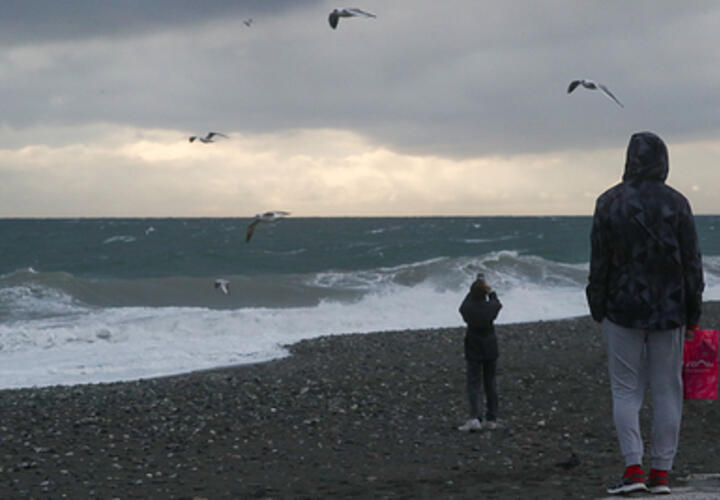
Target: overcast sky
433,108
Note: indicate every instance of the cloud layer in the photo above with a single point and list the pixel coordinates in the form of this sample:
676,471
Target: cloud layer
127,173
452,83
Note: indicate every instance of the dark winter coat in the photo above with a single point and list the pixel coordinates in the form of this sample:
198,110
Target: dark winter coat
479,314
645,264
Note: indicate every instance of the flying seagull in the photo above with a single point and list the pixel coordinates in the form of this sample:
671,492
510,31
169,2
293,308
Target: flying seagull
248,22
336,14
223,285
208,138
265,217
589,84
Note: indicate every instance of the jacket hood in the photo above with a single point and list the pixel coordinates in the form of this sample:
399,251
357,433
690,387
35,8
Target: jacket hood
647,158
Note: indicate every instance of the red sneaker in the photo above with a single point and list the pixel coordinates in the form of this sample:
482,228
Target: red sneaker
658,482
632,480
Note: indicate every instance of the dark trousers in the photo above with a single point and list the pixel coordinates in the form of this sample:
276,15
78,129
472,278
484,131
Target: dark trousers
482,372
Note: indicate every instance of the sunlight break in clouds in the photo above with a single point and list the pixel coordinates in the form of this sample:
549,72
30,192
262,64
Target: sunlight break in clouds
129,172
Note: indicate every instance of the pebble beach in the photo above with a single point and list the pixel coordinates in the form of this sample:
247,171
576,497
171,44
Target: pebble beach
349,416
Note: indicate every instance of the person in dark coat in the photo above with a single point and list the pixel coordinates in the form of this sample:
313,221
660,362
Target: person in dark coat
479,310
645,288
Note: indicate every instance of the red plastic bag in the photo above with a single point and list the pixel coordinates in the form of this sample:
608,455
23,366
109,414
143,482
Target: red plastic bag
700,366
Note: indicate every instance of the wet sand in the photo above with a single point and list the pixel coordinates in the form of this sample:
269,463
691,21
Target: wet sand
352,416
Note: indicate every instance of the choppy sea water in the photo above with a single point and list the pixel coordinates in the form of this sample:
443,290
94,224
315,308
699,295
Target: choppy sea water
99,300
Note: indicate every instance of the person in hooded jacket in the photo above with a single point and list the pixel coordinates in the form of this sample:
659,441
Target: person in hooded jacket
479,310
645,288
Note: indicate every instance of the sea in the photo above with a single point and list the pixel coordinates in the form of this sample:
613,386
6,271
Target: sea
103,300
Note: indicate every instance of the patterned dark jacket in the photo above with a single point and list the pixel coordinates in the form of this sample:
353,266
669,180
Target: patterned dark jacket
645,264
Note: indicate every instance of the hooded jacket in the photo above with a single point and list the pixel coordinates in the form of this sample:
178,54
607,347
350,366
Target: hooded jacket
645,264
479,314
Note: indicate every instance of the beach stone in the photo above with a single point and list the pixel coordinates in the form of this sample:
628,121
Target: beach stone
340,417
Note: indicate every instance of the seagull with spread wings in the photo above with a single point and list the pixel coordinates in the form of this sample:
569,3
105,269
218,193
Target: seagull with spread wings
208,138
336,14
589,84
264,217
223,285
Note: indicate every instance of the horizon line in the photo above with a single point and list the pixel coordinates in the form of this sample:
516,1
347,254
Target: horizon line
70,217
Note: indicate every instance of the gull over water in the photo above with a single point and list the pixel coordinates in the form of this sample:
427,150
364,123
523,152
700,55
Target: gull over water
269,216
223,285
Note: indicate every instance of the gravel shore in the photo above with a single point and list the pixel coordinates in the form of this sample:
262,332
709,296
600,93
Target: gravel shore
352,416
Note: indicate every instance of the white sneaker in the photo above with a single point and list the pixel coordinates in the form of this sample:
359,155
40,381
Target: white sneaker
471,425
491,424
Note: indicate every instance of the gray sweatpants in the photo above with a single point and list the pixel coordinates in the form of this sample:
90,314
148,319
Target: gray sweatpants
636,358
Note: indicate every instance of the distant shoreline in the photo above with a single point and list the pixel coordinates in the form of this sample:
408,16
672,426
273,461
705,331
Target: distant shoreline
250,216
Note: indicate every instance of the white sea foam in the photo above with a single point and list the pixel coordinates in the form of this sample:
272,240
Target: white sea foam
34,301
108,344
488,240
381,230
711,267
119,239
65,342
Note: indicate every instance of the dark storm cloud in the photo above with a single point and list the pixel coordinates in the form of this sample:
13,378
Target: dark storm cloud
493,80
91,91
460,79
23,21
